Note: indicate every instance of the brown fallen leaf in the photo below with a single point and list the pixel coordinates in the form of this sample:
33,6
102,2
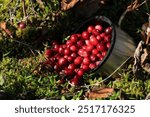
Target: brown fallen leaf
3,26
67,4
100,93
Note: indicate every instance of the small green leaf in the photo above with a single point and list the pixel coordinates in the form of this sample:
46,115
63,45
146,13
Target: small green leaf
47,9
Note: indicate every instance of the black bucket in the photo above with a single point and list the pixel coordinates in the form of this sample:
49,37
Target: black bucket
122,46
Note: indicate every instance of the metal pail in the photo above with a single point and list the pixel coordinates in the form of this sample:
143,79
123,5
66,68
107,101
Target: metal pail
122,46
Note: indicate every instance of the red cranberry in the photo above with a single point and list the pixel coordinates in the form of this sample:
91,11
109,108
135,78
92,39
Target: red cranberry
89,48
85,67
54,43
102,35
80,52
57,68
68,42
99,27
62,61
95,51
100,47
98,37
108,30
69,72
100,57
87,42
56,48
92,66
79,36
48,53
104,53
74,38
95,32
48,62
85,35
62,81
108,45
93,58
72,66
74,55
98,63
70,59
60,49
78,60
67,51
22,25
80,43
83,53
107,38
90,29
73,48
86,61
93,40
80,72
76,80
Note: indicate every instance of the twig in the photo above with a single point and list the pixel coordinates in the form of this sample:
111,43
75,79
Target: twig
27,45
133,6
24,8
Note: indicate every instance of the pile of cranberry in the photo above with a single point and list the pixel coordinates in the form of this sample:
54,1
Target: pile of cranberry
80,53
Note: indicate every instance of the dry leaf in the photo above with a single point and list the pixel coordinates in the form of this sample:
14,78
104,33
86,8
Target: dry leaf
3,26
141,58
67,4
100,93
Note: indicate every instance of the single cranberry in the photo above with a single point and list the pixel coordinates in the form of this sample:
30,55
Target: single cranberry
72,66
102,35
87,42
95,32
85,35
80,72
99,27
67,51
62,61
56,48
98,37
93,40
74,55
85,67
92,66
108,45
104,53
100,47
90,29
78,60
73,48
74,38
70,59
76,80
69,72
60,50
89,48
80,43
95,51
108,30
22,25
86,61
